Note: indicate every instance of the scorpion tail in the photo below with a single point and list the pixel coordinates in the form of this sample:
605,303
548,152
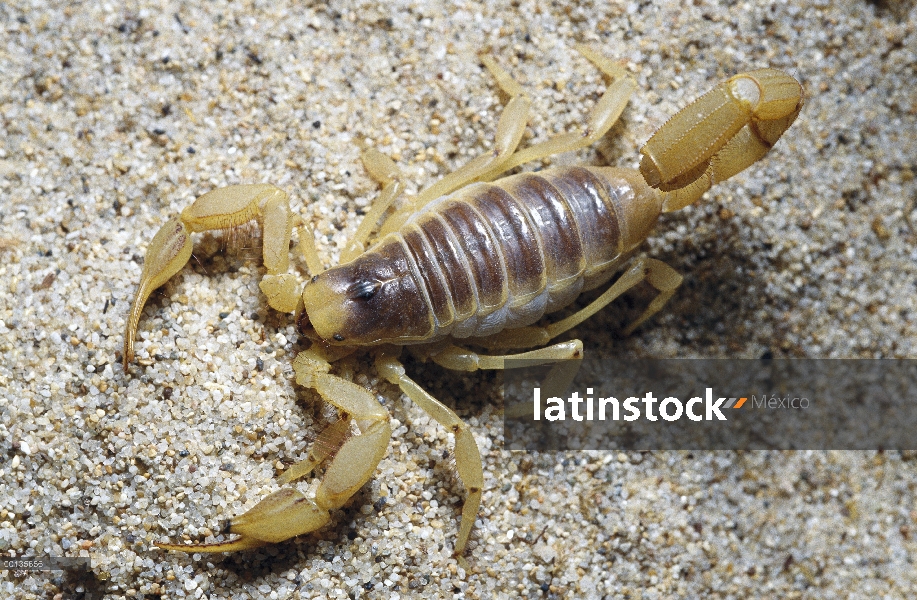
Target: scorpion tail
720,134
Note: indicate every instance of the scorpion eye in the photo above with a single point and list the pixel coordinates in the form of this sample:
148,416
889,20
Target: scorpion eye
363,290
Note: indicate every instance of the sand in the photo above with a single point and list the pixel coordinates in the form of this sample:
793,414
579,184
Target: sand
115,118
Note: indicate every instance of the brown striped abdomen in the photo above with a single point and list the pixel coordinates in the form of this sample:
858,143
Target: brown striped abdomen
493,256
485,258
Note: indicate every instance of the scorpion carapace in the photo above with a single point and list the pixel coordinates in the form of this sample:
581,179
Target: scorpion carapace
472,260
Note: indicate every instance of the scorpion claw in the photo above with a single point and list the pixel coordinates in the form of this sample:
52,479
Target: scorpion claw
222,208
282,515
168,253
287,512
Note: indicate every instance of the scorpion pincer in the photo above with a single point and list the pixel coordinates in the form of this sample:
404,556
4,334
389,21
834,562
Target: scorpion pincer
474,261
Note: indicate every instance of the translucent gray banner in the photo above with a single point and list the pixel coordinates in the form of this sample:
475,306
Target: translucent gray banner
709,404
37,564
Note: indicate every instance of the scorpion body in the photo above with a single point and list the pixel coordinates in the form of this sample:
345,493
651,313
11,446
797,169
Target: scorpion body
488,257
470,258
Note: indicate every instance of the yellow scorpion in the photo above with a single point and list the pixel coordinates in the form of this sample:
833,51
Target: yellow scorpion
473,261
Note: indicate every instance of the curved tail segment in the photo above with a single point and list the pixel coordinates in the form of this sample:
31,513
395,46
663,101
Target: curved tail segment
720,134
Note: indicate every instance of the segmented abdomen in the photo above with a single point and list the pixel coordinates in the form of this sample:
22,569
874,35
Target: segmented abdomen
497,256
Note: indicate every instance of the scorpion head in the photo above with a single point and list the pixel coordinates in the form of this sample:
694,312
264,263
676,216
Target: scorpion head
373,299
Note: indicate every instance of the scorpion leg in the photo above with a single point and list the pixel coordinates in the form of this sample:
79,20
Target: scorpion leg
220,209
308,251
720,134
566,355
602,116
510,128
509,133
461,359
655,272
658,274
288,513
383,170
467,456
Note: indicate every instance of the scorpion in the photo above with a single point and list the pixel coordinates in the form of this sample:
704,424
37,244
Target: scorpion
467,259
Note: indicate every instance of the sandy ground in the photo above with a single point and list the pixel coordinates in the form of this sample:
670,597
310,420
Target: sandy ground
115,119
